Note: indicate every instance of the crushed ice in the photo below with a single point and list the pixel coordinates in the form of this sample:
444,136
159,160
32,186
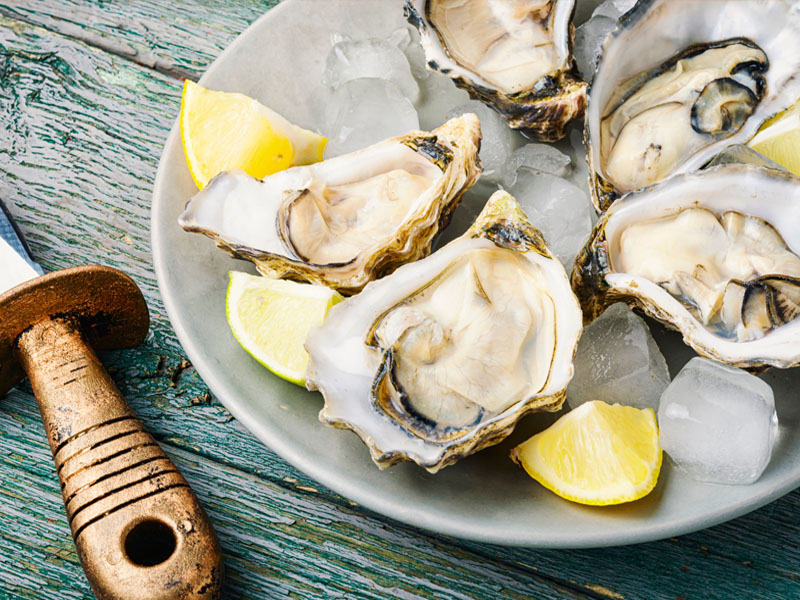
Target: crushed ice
618,361
589,36
497,138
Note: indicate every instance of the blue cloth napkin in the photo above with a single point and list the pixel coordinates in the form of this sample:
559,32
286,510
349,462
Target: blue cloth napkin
12,235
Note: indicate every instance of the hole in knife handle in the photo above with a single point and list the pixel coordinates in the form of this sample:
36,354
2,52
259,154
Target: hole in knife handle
150,543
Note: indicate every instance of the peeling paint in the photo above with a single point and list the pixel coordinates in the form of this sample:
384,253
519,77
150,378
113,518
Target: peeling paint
604,591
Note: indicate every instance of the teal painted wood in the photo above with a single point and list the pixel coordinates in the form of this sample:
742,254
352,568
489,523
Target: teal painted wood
150,32
83,128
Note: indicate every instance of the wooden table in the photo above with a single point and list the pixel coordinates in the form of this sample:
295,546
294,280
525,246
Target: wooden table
88,92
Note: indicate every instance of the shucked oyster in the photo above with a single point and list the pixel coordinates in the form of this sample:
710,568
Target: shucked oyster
514,55
715,254
347,220
678,81
442,357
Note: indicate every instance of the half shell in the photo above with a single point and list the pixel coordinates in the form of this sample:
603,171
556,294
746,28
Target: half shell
679,81
515,56
346,220
714,254
442,357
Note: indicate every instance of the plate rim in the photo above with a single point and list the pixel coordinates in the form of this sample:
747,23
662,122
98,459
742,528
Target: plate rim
371,500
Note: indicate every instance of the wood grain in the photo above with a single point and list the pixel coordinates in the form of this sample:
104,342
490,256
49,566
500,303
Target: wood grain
84,125
152,33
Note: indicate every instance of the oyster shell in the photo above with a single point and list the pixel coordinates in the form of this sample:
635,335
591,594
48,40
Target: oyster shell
679,81
442,357
514,55
346,220
714,254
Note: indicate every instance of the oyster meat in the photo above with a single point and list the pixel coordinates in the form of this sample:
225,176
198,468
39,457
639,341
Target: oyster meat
715,254
733,272
346,220
679,81
514,55
445,355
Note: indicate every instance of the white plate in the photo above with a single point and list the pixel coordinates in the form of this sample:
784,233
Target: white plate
279,60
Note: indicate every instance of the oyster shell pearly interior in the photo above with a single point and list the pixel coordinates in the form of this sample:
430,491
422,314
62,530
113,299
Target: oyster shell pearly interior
346,220
514,55
442,357
714,254
677,82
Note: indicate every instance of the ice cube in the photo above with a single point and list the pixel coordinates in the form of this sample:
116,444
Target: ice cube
613,9
557,208
401,37
572,146
618,361
580,170
407,40
439,96
497,138
365,111
538,157
370,58
589,39
718,423
589,36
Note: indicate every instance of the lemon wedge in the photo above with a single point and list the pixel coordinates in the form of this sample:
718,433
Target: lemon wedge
222,131
271,318
779,139
597,454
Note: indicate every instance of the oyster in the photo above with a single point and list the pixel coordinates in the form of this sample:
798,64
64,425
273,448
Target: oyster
346,220
679,81
514,55
714,254
442,357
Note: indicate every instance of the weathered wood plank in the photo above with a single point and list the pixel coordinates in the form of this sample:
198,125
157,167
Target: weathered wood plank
152,33
84,131
83,134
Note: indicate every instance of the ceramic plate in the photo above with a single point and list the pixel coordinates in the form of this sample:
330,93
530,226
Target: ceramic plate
279,60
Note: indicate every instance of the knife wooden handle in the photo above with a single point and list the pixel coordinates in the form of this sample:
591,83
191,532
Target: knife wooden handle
138,527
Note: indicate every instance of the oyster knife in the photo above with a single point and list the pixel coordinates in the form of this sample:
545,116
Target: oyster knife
139,530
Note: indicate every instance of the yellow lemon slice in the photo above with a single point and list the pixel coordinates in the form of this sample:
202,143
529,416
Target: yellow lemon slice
779,139
271,318
222,131
596,454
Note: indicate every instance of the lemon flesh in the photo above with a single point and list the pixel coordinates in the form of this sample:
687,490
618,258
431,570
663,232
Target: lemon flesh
271,318
779,139
597,454
222,131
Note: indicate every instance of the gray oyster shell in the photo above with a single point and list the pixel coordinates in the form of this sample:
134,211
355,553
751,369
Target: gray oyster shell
759,214
442,357
347,220
733,102
540,106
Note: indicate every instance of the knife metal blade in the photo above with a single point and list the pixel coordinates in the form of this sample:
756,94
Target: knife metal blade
16,264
